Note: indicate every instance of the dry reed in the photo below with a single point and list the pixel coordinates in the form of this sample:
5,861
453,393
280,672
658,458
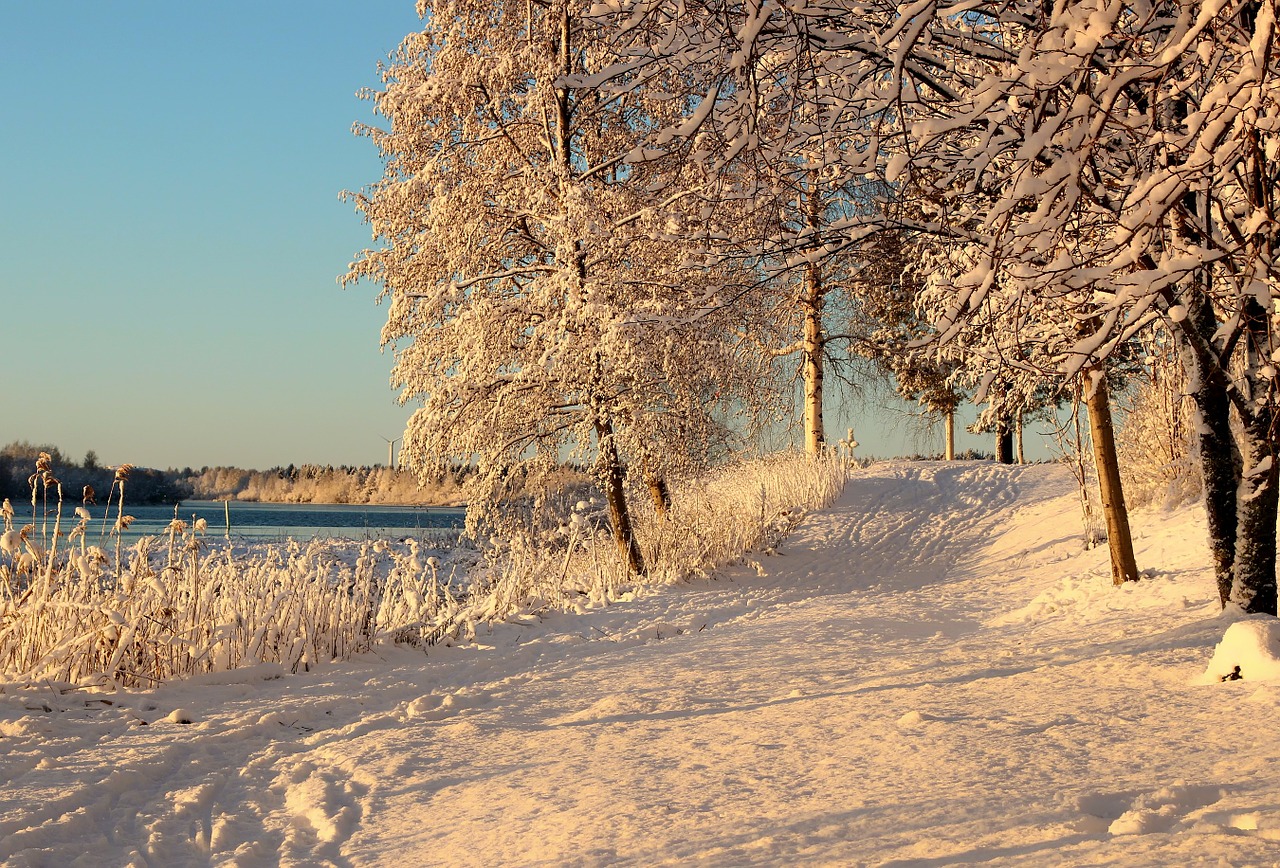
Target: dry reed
150,613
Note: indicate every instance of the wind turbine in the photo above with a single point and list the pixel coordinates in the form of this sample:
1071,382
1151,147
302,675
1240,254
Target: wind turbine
391,454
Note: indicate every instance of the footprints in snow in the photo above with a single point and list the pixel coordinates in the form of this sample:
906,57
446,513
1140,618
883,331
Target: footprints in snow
325,806
1180,807
946,512
440,706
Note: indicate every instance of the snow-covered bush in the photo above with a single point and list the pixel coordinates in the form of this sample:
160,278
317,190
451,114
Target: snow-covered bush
737,510
177,609
719,518
1154,442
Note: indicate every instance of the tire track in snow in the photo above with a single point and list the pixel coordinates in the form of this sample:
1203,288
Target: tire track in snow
914,524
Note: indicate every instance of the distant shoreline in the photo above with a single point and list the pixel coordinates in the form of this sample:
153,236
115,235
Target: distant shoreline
375,503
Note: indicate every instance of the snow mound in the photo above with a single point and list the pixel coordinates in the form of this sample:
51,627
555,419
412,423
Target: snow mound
432,707
1249,650
1162,810
913,719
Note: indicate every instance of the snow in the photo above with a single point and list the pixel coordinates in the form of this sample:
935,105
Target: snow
932,671
1250,650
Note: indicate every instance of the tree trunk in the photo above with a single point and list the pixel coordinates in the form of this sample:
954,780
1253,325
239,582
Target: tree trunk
1004,442
616,497
1253,586
1124,567
812,300
1216,448
1017,439
660,493
815,437
950,421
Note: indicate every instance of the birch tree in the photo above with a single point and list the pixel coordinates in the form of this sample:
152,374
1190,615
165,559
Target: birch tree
773,118
538,303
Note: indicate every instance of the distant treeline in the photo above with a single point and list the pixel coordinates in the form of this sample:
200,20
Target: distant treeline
313,483
84,479
310,483
306,483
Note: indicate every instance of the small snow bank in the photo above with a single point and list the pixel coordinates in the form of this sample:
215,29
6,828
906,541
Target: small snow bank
1090,596
1249,651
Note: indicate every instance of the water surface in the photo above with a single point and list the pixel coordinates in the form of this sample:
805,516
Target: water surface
277,521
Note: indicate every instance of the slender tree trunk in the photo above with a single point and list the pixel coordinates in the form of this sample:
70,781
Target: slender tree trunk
1017,440
814,351
1124,567
615,496
656,481
814,429
950,421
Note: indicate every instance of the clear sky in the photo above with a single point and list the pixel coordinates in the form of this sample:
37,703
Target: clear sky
172,233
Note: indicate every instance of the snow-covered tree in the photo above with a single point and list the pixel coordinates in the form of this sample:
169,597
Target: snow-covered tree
1106,163
542,299
1122,169
1101,164
773,120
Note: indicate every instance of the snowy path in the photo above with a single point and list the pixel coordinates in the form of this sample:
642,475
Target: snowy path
932,672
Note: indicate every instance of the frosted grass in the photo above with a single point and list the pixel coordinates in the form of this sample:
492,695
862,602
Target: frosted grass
176,605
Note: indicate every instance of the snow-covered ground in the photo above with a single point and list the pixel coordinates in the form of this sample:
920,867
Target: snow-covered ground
930,672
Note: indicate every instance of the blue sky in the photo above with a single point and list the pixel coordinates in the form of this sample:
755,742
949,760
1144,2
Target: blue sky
172,230
172,233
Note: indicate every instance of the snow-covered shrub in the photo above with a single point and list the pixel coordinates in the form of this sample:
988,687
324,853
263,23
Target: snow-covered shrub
1154,442
177,609
739,509
716,519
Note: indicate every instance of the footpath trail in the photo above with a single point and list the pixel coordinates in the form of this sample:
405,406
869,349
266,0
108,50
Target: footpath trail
930,672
